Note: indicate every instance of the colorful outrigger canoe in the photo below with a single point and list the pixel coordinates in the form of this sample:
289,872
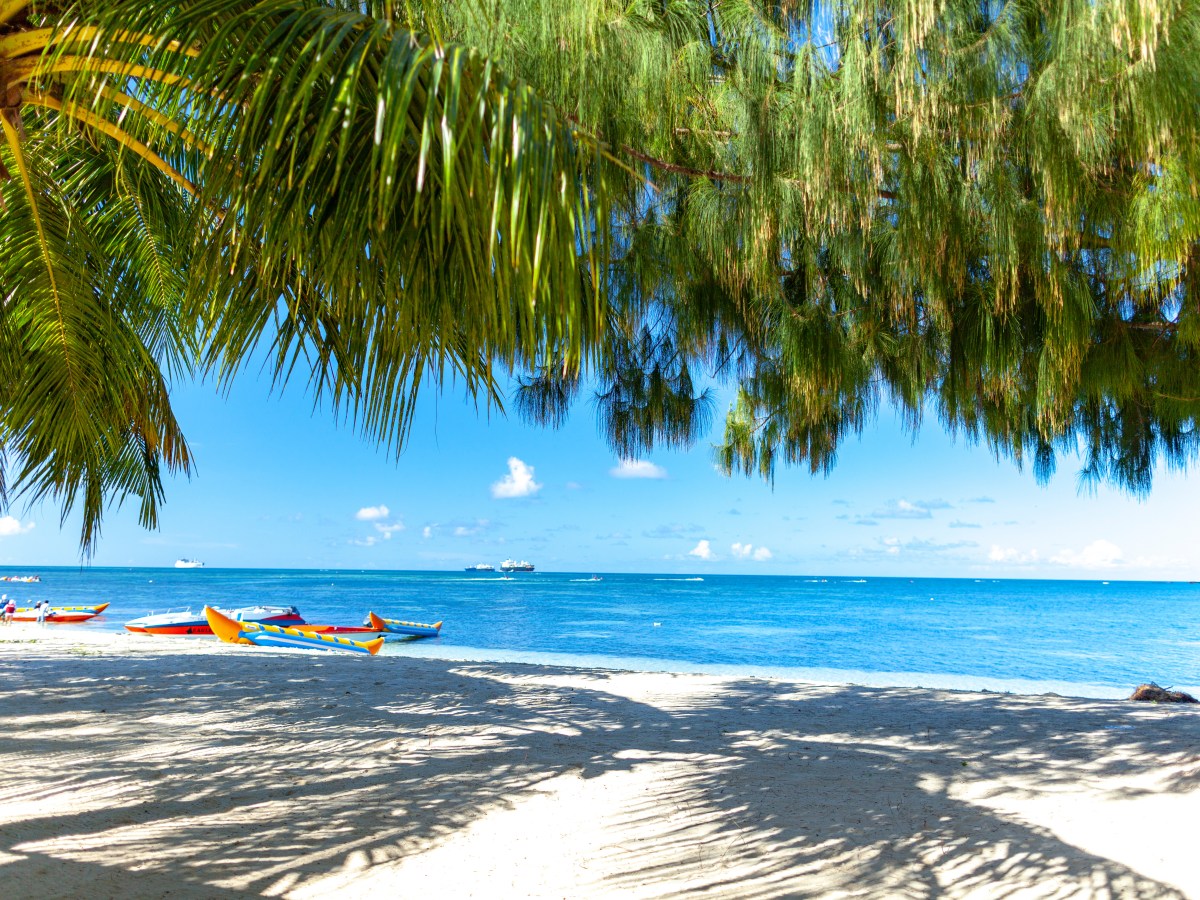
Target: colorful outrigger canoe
263,635
395,626
60,615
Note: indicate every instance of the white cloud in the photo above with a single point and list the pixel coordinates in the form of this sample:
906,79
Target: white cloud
388,529
470,528
891,544
517,483
369,541
749,551
673,531
702,550
574,486
1012,555
427,531
904,509
637,468
371,513
10,526
1099,554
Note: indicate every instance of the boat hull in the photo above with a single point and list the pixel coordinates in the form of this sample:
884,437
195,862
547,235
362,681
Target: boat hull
60,615
395,626
55,618
263,635
95,609
184,623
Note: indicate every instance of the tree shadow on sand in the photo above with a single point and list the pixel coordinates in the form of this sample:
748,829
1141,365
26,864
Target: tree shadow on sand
260,773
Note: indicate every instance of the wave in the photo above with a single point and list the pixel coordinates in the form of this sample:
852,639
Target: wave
678,579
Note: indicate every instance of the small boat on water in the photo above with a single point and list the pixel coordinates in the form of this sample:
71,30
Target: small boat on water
395,626
188,622
60,615
261,635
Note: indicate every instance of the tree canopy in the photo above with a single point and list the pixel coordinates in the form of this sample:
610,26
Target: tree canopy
983,211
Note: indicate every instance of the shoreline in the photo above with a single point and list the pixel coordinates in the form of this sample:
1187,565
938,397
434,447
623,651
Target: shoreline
200,769
815,676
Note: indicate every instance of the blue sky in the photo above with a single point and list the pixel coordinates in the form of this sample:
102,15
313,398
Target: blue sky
279,486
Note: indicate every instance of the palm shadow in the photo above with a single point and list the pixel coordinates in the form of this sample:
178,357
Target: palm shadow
263,773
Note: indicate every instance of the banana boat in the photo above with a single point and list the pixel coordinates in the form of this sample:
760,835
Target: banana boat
262,635
395,626
60,615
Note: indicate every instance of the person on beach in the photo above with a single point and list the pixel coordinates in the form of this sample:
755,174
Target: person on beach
10,608
42,607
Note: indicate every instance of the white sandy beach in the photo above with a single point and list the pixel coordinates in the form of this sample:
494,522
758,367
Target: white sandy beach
154,767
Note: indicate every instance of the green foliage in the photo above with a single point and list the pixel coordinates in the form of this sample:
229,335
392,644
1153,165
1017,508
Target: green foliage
378,208
986,211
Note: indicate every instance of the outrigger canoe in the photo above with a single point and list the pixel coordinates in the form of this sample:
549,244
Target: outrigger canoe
395,626
60,615
263,635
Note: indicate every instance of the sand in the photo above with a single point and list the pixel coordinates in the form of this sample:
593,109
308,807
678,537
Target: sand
155,767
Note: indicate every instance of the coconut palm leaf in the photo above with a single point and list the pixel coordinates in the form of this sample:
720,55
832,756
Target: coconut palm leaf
86,416
377,208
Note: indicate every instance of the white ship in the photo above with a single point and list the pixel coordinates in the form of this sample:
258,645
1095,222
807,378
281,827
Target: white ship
481,567
512,565
188,564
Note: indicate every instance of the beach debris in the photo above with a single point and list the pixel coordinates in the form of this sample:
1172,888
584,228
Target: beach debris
1153,693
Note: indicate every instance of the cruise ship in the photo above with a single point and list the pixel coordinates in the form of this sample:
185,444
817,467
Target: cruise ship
512,565
481,567
188,564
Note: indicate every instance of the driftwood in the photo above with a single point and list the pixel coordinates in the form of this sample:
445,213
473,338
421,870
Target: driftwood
1155,694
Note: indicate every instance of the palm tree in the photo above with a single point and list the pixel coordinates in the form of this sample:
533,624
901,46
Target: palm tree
184,182
977,209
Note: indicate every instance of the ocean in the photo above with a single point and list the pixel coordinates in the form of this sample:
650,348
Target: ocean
1076,638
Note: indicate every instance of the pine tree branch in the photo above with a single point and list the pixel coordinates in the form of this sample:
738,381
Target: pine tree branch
675,168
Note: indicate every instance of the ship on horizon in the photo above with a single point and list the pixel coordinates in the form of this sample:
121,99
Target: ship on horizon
481,567
512,565
188,564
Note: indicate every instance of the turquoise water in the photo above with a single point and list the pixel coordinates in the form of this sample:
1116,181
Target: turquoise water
1074,637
